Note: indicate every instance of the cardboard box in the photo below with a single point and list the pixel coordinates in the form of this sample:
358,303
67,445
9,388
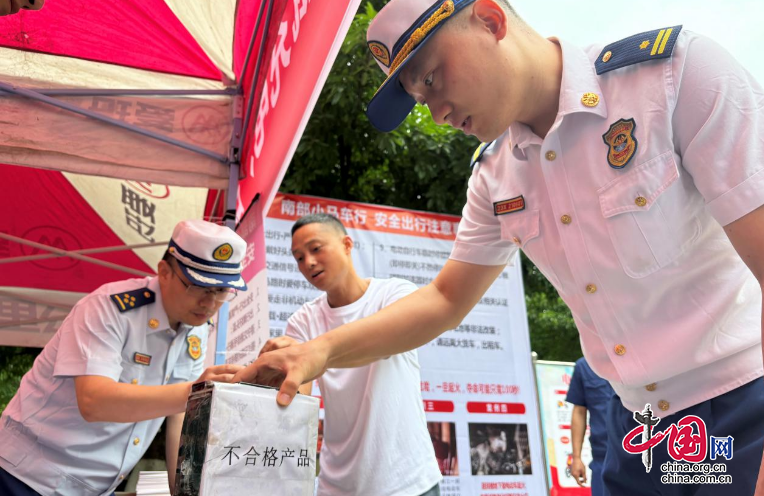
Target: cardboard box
237,440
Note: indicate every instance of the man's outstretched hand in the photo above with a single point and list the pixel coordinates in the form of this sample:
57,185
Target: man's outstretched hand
287,368
278,343
219,373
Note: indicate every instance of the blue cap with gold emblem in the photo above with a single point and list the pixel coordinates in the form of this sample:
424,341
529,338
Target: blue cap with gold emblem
400,29
209,254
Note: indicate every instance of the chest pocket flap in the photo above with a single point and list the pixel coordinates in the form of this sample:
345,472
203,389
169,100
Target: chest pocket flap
638,189
520,227
645,214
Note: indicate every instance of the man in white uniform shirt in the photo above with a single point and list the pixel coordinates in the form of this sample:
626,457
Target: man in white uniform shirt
632,174
376,441
123,360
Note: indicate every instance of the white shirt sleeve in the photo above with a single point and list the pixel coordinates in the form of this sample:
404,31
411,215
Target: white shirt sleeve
91,341
298,326
399,290
479,240
718,125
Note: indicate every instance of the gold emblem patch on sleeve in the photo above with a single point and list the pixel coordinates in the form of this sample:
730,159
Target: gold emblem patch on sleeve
194,347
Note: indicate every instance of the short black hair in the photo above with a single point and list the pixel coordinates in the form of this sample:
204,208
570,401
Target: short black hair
505,4
319,219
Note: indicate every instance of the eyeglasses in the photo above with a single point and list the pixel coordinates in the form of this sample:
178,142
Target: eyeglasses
199,292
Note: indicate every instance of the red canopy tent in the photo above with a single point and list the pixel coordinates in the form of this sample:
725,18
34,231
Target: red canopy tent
117,119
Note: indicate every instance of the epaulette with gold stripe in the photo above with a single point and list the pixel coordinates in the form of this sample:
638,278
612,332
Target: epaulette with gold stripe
657,44
133,299
479,153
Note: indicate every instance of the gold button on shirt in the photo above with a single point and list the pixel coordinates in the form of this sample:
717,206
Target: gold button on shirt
620,350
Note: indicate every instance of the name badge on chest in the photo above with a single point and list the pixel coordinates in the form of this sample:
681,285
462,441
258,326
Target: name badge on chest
142,359
509,206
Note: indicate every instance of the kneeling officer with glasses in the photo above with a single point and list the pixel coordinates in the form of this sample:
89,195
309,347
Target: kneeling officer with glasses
123,360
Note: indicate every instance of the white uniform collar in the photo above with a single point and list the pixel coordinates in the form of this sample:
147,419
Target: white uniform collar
578,78
156,315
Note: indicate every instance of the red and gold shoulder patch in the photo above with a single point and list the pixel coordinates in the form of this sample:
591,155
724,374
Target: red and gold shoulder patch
509,206
622,144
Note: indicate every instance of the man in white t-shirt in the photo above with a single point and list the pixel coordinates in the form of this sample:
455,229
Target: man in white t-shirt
376,441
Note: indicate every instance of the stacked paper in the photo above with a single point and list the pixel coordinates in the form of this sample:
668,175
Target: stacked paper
152,483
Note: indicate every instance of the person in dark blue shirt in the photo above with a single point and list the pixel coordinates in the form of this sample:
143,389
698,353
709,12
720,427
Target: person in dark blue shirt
588,392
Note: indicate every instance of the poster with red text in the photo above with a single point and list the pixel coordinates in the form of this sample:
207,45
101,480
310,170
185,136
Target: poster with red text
553,382
477,380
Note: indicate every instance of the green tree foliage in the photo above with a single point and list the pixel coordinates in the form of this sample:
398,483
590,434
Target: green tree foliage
14,363
419,166
553,333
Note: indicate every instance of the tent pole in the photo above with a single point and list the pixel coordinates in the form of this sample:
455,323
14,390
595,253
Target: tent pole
251,47
221,327
74,255
231,197
125,92
107,249
232,193
52,318
40,301
251,100
32,95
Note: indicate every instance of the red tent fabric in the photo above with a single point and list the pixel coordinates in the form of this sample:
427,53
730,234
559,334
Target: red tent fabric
117,119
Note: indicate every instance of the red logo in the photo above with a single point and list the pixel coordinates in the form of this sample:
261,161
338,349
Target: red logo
687,439
684,442
55,237
157,191
206,125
